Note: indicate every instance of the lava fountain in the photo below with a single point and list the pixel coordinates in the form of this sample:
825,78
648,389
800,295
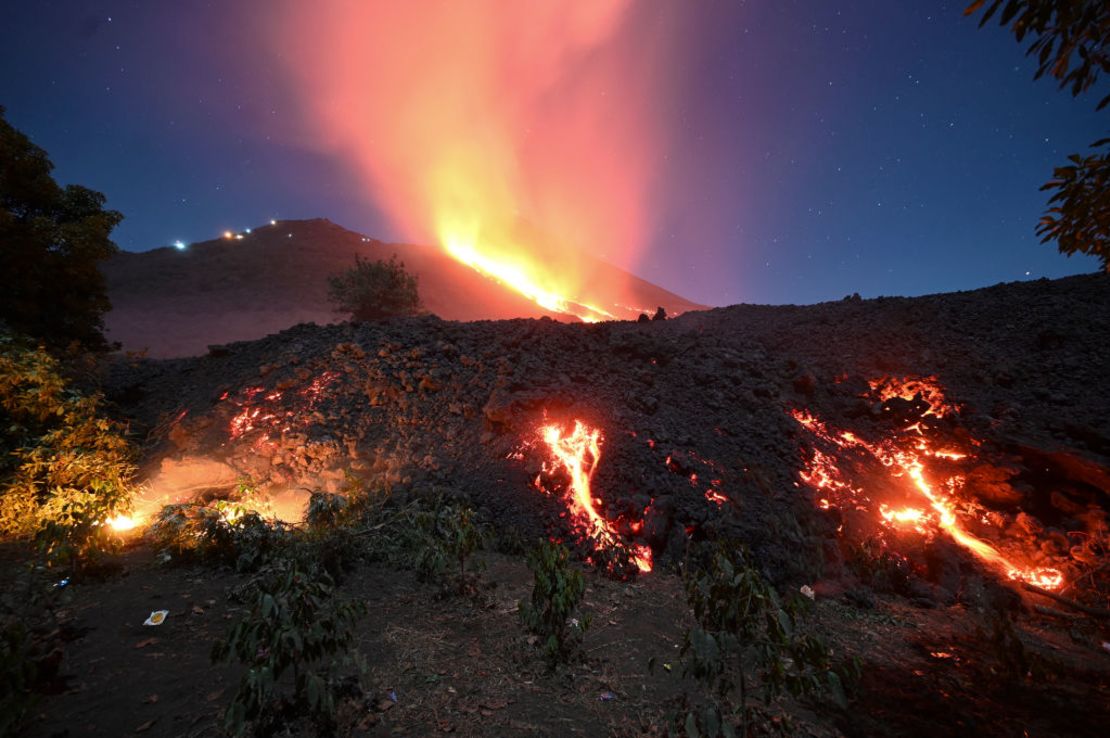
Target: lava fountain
519,136
578,454
921,467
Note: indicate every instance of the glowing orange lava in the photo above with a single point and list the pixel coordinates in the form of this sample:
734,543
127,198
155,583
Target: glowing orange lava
578,454
905,456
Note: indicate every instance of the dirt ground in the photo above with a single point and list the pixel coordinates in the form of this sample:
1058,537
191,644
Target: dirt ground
463,665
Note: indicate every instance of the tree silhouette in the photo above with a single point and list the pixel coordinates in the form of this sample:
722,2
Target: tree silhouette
52,240
1063,31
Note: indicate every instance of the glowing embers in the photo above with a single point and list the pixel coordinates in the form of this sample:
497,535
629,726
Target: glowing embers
262,409
578,454
916,483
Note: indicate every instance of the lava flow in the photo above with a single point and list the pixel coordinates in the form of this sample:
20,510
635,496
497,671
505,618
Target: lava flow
922,470
579,453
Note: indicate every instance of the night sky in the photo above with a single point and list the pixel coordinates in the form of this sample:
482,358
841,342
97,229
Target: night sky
816,148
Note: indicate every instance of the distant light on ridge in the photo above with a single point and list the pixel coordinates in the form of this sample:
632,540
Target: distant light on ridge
179,245
273,222
228,234
248,230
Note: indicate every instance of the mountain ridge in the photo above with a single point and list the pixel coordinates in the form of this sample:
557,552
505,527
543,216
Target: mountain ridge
176,302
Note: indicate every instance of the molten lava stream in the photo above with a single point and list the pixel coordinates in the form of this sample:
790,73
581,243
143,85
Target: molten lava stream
905,458
579,453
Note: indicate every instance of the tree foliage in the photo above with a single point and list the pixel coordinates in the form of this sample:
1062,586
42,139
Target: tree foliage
1078,217
52,240
372,290
1063,32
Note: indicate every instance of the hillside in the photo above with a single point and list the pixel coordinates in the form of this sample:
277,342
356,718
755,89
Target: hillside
177,303
926,479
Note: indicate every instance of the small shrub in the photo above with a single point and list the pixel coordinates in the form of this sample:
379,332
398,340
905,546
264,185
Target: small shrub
879,568
325,510
67,469
222,532
557,590
335,541
373,290
296,623
450,538
740,615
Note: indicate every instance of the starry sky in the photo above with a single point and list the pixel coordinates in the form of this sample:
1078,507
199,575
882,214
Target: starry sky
816,149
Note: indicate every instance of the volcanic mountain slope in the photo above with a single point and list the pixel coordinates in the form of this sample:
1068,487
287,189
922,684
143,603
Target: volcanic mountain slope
988,410
177,303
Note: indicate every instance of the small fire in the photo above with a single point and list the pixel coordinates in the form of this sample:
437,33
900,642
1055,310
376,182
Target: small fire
122,523
905,456
579,453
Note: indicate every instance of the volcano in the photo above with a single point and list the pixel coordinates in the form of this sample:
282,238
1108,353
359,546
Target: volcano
177,302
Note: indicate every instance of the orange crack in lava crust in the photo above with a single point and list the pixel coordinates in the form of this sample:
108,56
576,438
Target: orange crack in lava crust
578,454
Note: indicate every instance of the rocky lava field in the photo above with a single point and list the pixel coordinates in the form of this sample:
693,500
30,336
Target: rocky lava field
960,440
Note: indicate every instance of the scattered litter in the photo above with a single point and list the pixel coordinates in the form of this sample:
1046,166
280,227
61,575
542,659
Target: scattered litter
146,642
1106,646
667,666
607,696
393,695
62,583
157,617
808,592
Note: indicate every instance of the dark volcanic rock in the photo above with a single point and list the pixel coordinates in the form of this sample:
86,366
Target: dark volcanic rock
686,405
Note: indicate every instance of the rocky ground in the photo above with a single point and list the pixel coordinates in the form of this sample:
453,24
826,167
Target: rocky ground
700,443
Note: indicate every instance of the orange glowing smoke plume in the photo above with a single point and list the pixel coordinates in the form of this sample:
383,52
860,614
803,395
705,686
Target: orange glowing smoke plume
904,457
510,133
579,454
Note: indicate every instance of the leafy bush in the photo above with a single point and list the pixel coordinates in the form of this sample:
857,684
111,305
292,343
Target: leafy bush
740,615
67,470
336,540
296,623
372,290
557,590
450,538
221,532
326,510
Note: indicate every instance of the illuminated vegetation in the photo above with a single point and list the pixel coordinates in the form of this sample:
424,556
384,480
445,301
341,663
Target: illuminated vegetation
66,469
372,290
